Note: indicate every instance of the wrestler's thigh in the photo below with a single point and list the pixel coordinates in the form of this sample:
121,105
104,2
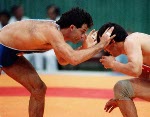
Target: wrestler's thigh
141,88
24,73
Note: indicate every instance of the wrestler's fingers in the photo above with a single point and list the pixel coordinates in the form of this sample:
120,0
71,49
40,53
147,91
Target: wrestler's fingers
106,30
112,36
106,106
85,36
92,32
102,60
99,60
93,37
95,33
112,108
107,109
110,30
95,42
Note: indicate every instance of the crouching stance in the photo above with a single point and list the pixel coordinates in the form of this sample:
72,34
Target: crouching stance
123,98
42,35
136,47
124,93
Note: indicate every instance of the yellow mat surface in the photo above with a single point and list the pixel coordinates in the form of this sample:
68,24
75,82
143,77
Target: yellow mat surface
59,106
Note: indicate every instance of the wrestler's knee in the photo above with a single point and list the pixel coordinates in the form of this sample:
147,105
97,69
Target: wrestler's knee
123,90
40,91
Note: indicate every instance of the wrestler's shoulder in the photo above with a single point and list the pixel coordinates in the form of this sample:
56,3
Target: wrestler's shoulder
133,36
137,34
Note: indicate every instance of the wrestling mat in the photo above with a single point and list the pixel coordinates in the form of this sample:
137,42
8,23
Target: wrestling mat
68,95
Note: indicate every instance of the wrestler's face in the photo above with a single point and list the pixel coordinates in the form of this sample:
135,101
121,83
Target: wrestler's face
114,48
77,34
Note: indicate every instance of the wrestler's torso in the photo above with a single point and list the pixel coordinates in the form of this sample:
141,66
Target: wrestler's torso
28,35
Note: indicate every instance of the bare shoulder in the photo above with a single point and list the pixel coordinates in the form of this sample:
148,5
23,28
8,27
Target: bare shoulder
133,38
45,27
133,35
137,37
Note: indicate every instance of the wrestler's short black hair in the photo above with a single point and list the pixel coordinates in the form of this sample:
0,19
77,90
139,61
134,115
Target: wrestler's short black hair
120,32
75,16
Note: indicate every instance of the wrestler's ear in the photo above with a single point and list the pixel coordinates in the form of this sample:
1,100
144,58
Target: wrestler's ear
72,27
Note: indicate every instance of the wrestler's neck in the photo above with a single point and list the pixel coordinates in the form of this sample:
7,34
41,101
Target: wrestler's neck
66,34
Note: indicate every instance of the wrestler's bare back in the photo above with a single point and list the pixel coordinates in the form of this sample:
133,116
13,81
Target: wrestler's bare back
27,35
144,41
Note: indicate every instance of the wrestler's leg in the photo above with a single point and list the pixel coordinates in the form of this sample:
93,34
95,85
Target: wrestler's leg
123,92
23,72
127,108
126,90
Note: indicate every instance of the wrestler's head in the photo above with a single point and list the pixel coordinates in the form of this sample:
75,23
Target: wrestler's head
115,47
76,22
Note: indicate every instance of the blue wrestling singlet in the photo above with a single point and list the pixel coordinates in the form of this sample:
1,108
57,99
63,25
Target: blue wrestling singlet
9,55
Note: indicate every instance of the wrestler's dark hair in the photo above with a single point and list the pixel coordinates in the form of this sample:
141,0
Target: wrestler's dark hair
120,32
75,16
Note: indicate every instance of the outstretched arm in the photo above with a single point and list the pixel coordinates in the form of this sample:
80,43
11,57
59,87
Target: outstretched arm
75,57
87,42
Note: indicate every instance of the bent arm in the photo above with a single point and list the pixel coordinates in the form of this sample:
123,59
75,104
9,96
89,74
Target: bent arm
65,51
61,61
135,59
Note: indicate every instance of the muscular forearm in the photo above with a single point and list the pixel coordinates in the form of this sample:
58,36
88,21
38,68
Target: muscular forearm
63,62
80,56
60,60
128,69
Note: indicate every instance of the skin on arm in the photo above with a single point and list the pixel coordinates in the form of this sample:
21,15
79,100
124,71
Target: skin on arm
135,59
75,57
61,61
88,42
